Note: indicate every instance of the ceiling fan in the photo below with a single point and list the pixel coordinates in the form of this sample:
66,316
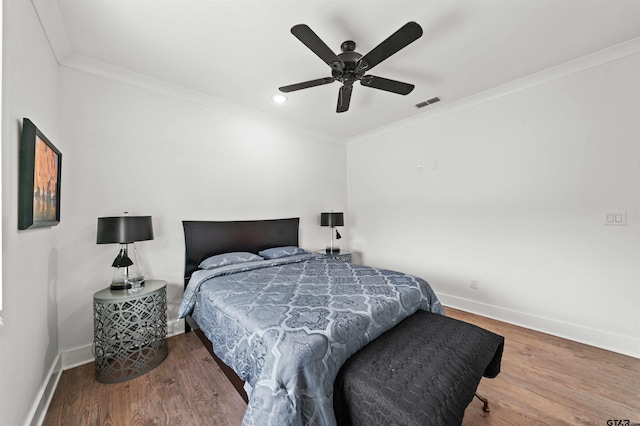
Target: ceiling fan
350,66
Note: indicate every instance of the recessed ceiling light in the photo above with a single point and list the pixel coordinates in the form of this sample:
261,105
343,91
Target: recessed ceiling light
279,99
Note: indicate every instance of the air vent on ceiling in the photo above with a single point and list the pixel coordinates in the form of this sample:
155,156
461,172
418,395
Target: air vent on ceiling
429,102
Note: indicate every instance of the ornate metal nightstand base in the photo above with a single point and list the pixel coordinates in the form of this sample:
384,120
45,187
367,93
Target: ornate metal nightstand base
130,332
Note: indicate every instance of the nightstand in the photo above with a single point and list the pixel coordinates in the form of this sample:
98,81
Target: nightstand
344,255
130,331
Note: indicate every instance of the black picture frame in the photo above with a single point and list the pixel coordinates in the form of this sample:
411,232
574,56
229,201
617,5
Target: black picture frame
39,179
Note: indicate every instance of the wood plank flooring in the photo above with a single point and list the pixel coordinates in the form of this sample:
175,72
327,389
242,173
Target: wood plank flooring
545,380
188,388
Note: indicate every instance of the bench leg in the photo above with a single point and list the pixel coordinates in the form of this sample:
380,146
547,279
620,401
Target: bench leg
485,401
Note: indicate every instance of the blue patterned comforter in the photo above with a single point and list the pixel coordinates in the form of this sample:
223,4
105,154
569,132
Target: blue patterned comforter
287,325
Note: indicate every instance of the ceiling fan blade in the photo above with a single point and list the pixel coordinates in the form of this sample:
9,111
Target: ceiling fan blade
344,98
386,84
306,84
406,35
317,46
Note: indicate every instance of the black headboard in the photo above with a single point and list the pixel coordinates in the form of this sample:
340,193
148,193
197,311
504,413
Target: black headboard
204,238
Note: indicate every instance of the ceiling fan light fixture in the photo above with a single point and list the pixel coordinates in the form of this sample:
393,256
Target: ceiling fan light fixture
279,99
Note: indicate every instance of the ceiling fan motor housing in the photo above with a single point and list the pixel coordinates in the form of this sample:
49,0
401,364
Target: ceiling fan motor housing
351,68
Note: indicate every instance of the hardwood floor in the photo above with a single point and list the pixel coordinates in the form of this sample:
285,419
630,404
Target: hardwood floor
188,388
544,380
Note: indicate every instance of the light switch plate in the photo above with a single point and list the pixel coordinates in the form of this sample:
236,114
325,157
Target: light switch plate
615,218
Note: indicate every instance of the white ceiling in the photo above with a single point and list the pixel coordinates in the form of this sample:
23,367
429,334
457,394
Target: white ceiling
240,52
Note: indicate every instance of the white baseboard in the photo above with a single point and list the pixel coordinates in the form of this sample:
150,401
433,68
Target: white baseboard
84,354
41,404
175,327
65,361
609,341
77,357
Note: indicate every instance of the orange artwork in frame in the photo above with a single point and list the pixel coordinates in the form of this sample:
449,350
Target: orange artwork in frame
40,173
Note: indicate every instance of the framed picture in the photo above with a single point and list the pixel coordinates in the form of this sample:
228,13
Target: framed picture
39,184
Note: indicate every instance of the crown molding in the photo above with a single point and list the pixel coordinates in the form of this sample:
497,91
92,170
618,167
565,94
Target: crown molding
595,59
51,20
91,66
54,28
53,25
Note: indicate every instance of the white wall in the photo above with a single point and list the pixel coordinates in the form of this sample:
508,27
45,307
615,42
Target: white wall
137,150
29,338
516,202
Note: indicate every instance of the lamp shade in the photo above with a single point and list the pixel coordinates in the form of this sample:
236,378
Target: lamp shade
124,229
332,219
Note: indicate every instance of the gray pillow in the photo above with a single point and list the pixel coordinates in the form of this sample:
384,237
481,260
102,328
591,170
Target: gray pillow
228,259
276,252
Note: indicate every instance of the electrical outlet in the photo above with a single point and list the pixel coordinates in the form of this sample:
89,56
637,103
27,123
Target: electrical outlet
474,284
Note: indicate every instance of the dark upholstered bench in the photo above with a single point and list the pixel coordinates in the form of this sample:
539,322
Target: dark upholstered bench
424,371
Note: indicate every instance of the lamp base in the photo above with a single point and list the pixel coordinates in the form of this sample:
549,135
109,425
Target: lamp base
332,250
120,286
133,284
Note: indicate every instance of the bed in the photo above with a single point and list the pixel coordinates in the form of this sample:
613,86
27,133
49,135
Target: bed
282,327
208,238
